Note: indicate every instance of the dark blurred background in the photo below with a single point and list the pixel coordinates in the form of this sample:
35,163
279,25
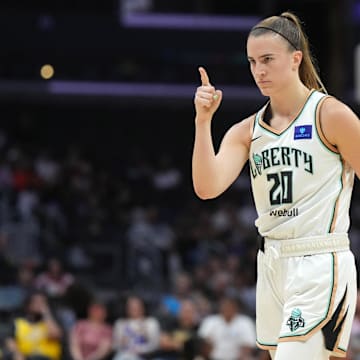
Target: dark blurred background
96,134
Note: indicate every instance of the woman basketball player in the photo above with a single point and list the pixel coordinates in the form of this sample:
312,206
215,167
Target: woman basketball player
303,149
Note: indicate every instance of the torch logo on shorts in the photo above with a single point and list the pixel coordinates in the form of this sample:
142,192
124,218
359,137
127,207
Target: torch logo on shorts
295,321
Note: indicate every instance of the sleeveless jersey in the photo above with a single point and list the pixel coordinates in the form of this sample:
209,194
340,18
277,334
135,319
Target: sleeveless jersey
301,187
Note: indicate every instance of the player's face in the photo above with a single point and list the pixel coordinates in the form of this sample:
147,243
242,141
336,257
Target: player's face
272,65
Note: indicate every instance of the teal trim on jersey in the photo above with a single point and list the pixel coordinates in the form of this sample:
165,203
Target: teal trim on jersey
266,344
318,135
337,198
333,153
293,122
256,121
328,307
332,283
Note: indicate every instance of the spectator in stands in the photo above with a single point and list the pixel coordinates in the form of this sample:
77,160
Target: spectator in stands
23,235
182,290
220,283
13,295
163,239
91,339
150,249
137,335
230,333
203,304
178,338
36,334
46,168
54,281
167,183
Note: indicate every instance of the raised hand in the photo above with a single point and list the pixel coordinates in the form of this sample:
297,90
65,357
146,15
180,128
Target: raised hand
207,98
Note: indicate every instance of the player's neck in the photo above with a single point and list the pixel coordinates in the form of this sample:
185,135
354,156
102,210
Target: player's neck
289,101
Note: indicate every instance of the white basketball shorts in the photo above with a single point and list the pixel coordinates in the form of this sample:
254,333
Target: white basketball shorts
298,296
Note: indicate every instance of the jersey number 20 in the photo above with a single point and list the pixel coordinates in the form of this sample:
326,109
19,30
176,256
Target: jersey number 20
281,191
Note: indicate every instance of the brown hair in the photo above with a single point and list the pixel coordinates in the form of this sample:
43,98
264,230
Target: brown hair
289,27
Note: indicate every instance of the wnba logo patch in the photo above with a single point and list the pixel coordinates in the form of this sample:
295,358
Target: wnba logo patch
295,321
303,132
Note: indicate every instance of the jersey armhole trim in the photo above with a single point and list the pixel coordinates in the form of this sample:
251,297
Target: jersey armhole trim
266,346
252,124
319,130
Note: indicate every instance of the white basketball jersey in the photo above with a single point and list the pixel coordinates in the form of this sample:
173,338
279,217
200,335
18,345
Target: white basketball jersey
300,186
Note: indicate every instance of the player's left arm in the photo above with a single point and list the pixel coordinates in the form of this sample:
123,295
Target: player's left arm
341,127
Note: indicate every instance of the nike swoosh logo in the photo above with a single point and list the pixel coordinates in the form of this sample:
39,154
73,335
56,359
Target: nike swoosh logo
256,138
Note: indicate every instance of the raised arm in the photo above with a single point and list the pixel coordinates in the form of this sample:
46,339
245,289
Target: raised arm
341,127
214,172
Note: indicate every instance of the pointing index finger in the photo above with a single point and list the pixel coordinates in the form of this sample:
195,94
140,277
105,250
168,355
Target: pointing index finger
204,77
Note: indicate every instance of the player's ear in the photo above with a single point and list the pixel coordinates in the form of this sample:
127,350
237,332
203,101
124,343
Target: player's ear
297,58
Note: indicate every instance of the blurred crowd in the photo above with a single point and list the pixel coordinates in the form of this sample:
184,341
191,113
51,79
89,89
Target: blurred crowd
98,262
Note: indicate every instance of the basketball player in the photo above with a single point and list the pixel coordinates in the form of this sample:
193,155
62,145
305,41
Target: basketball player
303,148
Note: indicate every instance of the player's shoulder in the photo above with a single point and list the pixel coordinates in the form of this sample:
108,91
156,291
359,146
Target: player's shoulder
334,109
336,118
248,122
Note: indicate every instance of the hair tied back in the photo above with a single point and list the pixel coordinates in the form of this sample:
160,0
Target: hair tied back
284,16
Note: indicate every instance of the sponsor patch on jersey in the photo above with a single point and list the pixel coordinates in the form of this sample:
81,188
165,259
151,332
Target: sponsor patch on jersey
303,132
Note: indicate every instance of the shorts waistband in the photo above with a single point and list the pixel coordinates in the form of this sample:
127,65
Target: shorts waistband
308,245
